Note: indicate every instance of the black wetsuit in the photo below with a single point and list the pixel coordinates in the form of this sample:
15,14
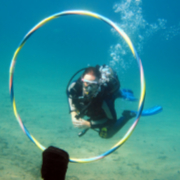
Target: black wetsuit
94,108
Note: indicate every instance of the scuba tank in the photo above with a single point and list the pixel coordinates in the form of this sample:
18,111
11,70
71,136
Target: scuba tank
109,79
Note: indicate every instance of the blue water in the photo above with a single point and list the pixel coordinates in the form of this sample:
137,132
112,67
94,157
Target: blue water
64,45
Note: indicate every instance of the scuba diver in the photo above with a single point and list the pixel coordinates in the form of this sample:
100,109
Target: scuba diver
93,96
91,101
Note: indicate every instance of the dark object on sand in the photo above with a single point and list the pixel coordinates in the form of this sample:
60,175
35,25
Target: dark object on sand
55,164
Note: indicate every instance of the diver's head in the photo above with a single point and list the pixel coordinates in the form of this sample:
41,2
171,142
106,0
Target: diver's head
90,79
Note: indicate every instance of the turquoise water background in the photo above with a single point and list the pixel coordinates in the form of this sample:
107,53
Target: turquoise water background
60,48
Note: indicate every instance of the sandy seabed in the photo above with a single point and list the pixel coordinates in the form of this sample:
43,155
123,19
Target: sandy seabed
151,153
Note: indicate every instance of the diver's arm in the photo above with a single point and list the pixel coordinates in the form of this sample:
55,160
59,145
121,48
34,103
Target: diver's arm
71,105
73,112
79,123
73,116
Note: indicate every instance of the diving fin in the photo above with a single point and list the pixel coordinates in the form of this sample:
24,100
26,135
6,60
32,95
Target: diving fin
150,111
127,94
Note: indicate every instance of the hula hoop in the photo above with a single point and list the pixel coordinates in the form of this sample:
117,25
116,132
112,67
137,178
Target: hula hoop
142,80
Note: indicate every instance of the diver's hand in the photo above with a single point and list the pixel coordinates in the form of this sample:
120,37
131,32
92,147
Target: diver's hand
81,124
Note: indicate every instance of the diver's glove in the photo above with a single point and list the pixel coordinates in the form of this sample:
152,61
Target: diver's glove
127,95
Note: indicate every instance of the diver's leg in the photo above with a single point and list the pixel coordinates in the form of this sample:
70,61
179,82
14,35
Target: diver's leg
110,131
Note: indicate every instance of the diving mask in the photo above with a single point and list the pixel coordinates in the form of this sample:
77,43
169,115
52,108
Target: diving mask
90,88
